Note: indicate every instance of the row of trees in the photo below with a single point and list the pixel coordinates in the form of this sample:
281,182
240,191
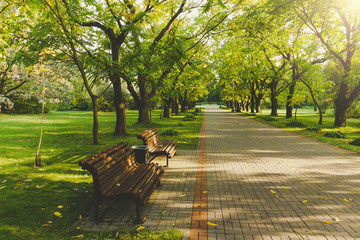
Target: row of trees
171,50
152,49
291,48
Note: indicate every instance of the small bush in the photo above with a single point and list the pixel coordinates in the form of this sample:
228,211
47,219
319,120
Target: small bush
27,106
355,142
295,124
82,104
189,117
337,134
64,106
267,118
354,112
169,132
181,124
313,129
194,113
198,110
105,104
249,114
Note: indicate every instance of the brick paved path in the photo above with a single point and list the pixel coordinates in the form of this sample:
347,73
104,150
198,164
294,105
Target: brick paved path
262,183
265,183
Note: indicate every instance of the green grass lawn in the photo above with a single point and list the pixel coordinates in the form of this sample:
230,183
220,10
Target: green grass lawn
310,118
30,196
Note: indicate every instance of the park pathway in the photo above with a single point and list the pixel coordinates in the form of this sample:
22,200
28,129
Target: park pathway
265,183
249,180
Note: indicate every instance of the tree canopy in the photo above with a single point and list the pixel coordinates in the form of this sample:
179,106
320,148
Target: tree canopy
168,53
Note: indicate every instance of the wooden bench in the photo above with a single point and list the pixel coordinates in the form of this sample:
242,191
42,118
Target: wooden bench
151,138
116,174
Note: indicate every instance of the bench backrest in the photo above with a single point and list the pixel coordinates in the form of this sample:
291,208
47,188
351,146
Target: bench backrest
150,137
109,165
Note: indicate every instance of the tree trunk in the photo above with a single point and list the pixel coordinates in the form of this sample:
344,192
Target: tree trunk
258,104
95,122
119,104
184,102
144,114
340,116
274,104
144,101
258,100
252,103
289,105
119,99
247,105
237,106
341,106
175,106
166,113
340,113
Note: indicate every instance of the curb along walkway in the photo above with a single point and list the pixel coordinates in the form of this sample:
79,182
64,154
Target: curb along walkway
251,181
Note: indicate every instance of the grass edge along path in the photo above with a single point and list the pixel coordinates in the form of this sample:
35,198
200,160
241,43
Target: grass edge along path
311,128
45,202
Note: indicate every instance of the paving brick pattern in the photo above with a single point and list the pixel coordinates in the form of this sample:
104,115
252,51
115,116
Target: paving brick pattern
262,183
199,218
265,183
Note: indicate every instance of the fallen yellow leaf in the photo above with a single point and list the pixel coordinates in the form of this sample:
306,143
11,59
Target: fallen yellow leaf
212,224
182,195
205,191
80,217
305,201
276,196
346,200
60,206
273,191
285,188
50,221
144,219
46,225
327,222
163,212
77,227
79,236
140,228
57,214
326,198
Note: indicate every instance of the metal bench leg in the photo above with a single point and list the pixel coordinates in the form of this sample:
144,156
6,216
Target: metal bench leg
139,220
96,210
167,161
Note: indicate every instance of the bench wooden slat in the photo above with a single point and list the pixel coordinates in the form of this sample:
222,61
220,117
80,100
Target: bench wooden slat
148,187
133,179
151,138
92,162
116,174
